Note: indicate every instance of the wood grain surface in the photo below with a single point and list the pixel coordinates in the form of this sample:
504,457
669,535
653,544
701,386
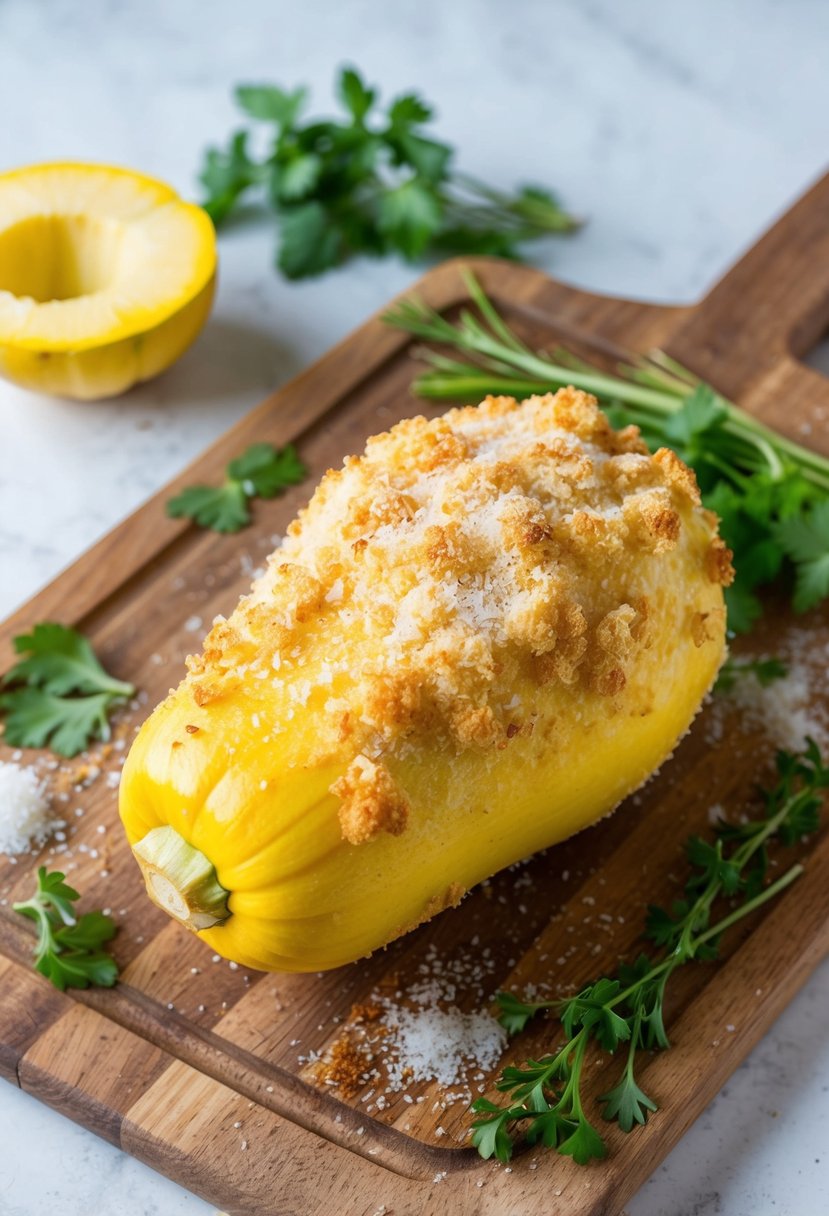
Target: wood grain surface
207,1071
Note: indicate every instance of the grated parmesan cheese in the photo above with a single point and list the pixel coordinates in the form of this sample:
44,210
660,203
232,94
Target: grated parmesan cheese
25,813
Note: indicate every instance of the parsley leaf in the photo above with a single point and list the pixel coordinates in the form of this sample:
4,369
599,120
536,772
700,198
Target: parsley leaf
513,1014
222,508
545,1095
771,494
627,1104
584,1144
805,539
59,694
764,671
226,175
68,950
271,104
409,216
372,181
298,178
309,241
262,471
356,95
490,1136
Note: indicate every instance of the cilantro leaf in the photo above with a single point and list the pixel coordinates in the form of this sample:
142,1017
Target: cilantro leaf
805,539
765,672
627,1104
226,175
743,607
34,718
68,951
78,970
261,471
370,181
629,1007
270,103
410,215
56,893
707,859
771,494
356,96
88,933
513,1013
59,694
265,471
61,660
490,1136
584,1144
409,110
310,242
701,412
222,508
427,156
298,177
550,1128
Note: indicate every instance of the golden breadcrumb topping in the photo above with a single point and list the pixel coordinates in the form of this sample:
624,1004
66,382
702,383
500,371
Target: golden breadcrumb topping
436,584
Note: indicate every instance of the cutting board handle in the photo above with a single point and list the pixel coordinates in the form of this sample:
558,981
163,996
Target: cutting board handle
751,331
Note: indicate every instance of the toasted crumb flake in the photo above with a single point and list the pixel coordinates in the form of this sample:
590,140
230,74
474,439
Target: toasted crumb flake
371,802
492,550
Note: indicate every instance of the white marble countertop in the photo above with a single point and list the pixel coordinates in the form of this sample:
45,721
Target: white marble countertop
678,130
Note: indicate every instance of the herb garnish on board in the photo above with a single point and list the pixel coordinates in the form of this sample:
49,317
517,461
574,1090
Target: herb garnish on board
372,182
68,950
59,694
625,1011
771,494
262,471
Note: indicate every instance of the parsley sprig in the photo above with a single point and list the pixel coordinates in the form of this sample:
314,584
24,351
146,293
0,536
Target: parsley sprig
372,183
764,671
262,471
59,694
68,950
627,1009
771,494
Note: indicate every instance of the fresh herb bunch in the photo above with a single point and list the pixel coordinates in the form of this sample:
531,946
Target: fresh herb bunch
772,495
68,950
262,471
59,694
372,183
627,1009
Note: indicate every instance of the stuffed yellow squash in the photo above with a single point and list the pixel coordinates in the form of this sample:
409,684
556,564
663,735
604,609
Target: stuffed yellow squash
477,639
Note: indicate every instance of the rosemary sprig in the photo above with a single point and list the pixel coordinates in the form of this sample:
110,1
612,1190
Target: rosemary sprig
545,1096
771,494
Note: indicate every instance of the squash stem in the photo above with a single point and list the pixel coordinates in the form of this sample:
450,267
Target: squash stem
181,880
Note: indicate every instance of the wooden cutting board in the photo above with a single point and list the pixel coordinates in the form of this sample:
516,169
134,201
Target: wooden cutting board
201,1069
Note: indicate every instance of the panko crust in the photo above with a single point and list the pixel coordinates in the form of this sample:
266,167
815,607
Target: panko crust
455,559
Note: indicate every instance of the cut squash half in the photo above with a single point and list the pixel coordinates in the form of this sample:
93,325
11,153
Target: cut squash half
106,277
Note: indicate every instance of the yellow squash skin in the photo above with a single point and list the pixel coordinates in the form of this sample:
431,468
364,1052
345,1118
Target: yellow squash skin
106,277
251,787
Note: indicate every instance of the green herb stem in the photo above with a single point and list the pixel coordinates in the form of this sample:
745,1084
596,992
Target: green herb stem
629,1008
771,494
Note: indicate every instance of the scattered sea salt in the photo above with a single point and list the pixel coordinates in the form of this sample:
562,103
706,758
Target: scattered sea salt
434,1044
26,818
788,709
